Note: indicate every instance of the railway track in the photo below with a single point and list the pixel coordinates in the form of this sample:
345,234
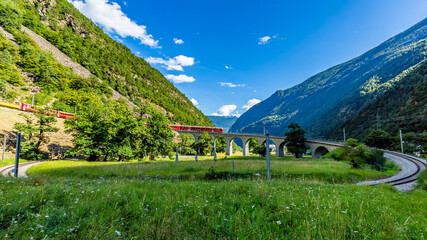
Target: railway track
8,169
412,176
406,178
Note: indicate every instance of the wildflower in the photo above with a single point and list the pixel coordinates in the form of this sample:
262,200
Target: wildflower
8,204
118,233
279,222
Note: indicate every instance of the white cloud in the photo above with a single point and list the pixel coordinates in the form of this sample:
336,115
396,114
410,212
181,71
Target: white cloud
178,41
180,78
251,103
194,101
113,20
228,67
225,110
175,63
229,84
264,40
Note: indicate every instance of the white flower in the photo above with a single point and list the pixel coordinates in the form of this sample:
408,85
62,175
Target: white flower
118,233
279,222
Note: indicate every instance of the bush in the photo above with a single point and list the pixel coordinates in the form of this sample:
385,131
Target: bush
422,181
358,154
376,159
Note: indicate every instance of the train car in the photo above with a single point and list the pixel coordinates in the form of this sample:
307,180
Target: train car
66,115
9,105
29,108
196,128
52,112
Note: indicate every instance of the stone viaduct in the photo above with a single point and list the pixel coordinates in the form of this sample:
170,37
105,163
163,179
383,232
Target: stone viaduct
318,148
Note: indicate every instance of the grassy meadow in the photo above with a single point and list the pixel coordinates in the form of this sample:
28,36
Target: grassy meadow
164,200
322,170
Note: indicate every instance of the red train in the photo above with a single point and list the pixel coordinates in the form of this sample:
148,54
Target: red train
196,128
60,114
30,108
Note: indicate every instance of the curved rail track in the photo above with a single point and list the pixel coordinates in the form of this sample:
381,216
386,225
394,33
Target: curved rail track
412,176
8,169
406,178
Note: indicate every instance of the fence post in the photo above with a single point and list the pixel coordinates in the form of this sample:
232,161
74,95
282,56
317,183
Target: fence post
4,148
18,150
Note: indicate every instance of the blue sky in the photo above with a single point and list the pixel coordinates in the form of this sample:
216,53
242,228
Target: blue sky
229,55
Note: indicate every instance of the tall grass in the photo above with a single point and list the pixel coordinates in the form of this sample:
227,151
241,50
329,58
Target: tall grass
290,168
115,208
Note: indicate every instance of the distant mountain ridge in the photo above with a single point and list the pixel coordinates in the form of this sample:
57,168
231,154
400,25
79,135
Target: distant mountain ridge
327,100
224,122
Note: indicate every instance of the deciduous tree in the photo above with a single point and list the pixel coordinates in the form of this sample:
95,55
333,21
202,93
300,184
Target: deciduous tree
295,140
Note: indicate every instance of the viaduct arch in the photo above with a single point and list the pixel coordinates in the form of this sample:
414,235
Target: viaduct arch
317,148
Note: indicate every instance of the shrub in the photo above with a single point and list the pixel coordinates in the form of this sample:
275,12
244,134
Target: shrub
422,181
376,159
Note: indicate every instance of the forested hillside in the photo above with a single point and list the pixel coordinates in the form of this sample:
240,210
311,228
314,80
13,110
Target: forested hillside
403,107
26,70
322,103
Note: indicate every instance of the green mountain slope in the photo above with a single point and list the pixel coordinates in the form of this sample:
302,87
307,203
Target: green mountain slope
79,38
325,101
402,107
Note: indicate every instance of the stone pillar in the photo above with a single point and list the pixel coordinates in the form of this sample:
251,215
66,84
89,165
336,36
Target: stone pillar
214,149
196,140
229,148
245,146
279,151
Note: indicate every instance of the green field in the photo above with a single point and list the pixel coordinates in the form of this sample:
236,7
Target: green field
245,167
164,199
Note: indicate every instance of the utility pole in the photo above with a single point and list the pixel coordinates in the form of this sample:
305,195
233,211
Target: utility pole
32,101
268,155
18,150
401,141
4,148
